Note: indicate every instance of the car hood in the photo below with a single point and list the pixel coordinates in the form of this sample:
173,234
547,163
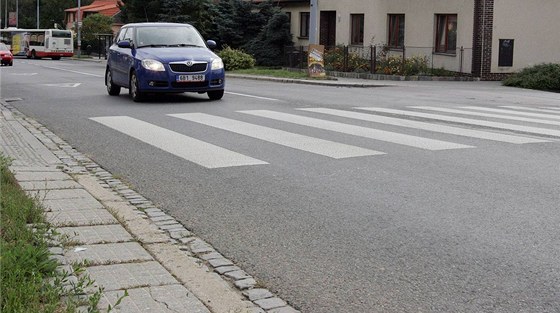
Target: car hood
175,54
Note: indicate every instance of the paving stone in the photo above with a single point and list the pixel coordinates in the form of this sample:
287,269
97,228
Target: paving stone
165,222
179,234
60,194
211,256
80,218
109,253
41,176
270,303
285,309
175,226
72,204
224,269
160,299
237,275
162,218
258,294
130,275
96,234
49,184
56,250
220,262
245,283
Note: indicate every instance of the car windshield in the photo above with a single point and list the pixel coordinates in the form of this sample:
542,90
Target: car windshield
3,47
168,36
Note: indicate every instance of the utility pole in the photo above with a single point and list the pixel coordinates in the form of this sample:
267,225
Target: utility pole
79,34
313,14
38,14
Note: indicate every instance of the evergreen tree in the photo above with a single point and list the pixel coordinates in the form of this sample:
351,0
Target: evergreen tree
269,46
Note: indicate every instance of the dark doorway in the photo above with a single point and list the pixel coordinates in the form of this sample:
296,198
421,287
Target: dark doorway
327,32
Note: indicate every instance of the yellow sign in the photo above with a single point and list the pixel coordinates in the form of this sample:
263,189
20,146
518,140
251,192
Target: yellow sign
315,61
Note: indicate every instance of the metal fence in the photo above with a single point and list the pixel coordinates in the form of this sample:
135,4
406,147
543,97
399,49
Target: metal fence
378,59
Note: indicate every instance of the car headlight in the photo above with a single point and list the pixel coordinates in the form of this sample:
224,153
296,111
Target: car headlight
153,65
217,64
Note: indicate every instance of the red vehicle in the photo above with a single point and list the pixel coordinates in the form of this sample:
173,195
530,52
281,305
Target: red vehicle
6,57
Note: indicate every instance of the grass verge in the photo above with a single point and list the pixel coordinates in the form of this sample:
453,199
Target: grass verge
29,281
280,73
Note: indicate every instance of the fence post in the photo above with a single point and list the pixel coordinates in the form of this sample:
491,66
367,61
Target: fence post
302,57
461,58
372,59
403,59
346,52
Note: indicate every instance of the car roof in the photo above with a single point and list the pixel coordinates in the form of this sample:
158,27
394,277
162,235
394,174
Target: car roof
156,24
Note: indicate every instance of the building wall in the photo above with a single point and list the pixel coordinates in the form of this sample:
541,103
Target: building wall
294,10
534,26
419,26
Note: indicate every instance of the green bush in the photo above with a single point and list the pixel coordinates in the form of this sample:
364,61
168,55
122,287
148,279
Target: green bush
334,61
235,59
540,77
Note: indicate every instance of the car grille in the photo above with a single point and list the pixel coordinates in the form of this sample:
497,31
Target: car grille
184,68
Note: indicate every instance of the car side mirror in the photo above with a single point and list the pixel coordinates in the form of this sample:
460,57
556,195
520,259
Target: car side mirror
211,44
124,44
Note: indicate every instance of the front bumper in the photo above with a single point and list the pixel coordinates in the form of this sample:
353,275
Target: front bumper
166,81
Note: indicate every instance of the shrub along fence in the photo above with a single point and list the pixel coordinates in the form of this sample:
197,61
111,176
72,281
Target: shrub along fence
377,59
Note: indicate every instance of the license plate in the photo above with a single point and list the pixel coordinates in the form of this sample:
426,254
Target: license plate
190,78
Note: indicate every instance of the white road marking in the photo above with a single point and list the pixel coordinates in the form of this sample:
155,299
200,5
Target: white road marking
531,109
305,143
402,139
538,115
499,116
194,150
64,85
251,96
513,127
428,126
71,71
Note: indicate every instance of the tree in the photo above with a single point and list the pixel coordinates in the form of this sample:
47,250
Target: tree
269,45
50,12
135,11
194,12
96,24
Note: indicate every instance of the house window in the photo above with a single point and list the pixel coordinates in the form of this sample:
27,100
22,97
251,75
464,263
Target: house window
446,33
304,24
396,31
357,29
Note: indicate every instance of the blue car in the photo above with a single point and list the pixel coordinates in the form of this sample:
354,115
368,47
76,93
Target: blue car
163,58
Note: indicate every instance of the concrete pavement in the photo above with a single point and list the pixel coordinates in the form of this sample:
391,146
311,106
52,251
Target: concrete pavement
121,238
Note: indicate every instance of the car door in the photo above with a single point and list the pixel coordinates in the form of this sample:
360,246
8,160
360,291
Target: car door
117,60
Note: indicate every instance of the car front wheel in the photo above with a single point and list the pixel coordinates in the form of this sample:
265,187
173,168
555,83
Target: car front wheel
112,89
215,94
134,92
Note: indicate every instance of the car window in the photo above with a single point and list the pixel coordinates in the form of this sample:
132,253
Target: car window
168,36
3,47
120,36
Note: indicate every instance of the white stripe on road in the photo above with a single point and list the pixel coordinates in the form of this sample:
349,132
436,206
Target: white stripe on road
194,150
428,126
314,145
250,96
499,116
531,109
407,140
513,127
71,71
538,115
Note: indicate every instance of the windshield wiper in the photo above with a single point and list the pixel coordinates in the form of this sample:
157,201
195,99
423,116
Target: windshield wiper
184,45
153,46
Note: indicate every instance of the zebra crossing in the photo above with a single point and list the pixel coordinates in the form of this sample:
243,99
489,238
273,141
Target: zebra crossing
500,125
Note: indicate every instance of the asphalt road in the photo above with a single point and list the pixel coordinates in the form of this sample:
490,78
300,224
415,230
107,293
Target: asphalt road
437,222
